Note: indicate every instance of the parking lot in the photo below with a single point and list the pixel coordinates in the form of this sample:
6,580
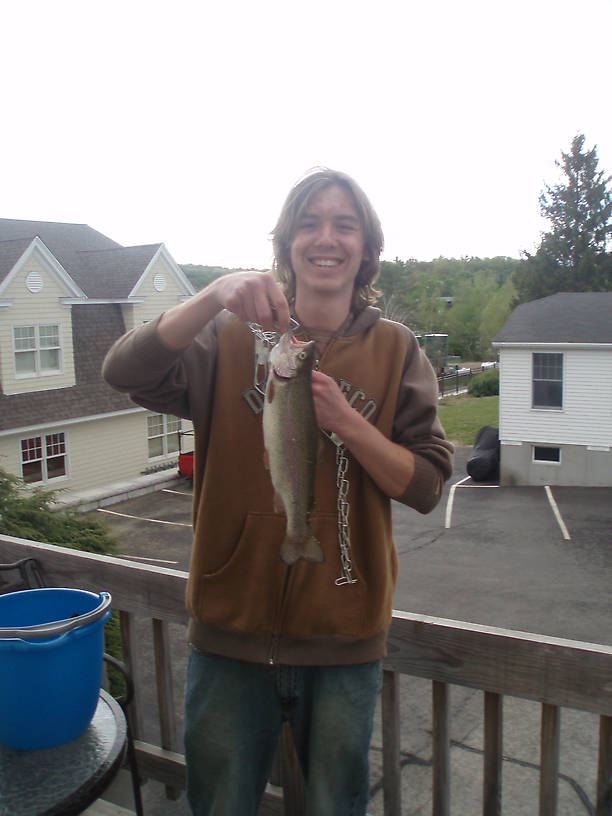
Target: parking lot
504,559
514,557
495,556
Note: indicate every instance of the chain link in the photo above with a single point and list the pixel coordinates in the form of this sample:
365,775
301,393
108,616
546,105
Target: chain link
264,340
344,531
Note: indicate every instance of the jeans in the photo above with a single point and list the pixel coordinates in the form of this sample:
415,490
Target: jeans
234,711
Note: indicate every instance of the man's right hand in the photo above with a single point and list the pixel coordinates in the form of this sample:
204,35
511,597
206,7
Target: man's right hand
251,296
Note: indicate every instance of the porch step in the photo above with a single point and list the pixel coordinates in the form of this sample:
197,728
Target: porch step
103,808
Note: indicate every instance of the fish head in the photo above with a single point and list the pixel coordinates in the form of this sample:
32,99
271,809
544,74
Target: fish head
291,358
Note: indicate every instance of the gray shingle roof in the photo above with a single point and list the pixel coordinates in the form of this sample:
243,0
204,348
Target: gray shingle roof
101,267
112,270
65,241
567,317
10,252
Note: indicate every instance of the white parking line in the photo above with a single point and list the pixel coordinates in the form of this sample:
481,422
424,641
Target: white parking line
449,503
451,498
143,518
551,499
556,511
142,558
176,492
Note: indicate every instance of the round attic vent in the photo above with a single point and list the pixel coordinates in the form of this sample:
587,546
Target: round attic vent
159,282
34,282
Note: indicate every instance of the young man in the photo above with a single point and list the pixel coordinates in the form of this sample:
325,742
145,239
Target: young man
271,642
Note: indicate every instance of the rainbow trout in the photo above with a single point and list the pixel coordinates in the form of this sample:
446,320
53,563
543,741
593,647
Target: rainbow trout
291,439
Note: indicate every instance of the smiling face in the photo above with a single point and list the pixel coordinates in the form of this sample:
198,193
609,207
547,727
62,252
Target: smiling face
327,246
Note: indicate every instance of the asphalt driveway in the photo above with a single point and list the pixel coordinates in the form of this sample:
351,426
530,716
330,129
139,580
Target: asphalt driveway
505,560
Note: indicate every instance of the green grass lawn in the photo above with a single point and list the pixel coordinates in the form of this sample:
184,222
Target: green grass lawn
463,416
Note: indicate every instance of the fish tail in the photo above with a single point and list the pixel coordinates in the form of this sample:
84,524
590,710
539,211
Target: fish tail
305,547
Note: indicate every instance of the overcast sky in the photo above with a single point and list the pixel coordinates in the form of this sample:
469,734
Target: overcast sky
187,122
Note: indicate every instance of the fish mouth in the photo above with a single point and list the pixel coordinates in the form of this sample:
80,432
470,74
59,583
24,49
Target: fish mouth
290,340
284,367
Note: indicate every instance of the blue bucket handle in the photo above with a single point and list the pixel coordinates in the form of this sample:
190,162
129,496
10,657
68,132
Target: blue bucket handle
53,628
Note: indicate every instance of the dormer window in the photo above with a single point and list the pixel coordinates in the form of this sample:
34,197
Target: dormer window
37,350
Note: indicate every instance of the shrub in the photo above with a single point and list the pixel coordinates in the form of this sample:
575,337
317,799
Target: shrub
33,514
485,384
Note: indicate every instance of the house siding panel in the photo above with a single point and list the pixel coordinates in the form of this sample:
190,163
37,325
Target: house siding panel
28,308
156,302
100,452
127,313
108,450
586,415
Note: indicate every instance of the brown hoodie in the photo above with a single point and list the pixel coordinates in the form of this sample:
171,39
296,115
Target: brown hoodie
244,601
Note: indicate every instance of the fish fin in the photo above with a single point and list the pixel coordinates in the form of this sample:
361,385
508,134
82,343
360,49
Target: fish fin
307,548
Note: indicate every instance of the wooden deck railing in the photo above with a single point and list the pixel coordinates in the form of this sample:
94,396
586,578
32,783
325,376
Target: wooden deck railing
557,673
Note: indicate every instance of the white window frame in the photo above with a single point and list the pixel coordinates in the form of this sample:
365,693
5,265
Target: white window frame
555,462
37,349
539,406
170,425
51,446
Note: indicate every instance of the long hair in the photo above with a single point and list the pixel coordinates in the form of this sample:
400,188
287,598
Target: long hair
364,293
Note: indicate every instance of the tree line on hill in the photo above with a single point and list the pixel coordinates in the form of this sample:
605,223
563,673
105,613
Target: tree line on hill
470,298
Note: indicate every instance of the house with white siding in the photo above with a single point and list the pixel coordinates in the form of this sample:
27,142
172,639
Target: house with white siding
66,293
555,409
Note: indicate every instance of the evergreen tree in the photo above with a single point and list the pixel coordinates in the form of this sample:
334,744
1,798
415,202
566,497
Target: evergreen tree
35,514
573,256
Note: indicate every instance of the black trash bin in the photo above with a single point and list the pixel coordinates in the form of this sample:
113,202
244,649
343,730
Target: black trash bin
483,463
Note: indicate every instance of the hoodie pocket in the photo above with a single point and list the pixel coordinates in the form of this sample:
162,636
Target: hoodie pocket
245,593
318,607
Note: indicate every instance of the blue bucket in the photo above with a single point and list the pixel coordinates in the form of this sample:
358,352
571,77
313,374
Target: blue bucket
51,645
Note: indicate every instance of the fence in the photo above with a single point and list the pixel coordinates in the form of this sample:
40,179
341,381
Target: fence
458,381
556,673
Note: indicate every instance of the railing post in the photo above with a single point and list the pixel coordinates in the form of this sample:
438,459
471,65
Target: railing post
493,742
392,780
441,750
604,768
128,640
165,692
549,759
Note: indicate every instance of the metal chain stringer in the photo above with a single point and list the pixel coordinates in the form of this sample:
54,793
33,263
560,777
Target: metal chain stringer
344,531
264,340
